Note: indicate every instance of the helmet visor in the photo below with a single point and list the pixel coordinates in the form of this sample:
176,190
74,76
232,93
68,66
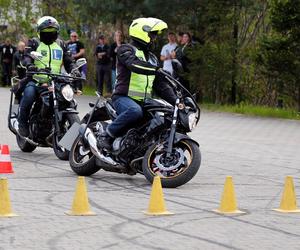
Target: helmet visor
48,37
159,27
49,30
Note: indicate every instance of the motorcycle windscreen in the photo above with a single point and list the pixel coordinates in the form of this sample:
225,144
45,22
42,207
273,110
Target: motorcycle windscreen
70,136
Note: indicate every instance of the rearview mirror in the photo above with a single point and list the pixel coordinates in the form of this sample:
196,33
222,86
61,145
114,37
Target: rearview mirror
80,62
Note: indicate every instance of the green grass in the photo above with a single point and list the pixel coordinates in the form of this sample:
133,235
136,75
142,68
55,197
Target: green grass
254,110
89,90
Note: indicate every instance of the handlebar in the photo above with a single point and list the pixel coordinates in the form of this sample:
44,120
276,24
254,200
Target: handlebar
176,84
54,75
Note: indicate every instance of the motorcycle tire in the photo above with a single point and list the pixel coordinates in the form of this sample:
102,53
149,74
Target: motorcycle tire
77,163
187,160
24,145
60,152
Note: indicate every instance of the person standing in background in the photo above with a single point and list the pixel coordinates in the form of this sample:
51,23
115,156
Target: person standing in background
166,53
18,68
7,51
179,37
118,40
182,54
77,51
103,66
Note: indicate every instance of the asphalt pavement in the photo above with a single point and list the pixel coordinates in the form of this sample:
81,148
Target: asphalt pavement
257,152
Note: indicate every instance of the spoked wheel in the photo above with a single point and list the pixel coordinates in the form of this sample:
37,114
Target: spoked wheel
176,169
59,151
82,160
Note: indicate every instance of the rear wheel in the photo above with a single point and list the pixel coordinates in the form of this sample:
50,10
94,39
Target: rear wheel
175,170
24,145
67,122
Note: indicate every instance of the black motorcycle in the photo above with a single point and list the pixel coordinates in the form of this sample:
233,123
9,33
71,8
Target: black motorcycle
157,145
52,114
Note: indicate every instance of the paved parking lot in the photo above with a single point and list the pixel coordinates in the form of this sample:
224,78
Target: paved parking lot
258,152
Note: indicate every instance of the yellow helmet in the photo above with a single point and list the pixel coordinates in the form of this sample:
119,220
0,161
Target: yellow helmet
141,28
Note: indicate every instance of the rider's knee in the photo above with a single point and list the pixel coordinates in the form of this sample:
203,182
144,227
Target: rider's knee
137,112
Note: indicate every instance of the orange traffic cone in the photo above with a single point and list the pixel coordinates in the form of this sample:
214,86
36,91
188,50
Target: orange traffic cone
5,161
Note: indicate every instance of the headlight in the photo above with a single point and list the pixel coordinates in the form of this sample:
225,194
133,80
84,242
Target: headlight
67,92
192,120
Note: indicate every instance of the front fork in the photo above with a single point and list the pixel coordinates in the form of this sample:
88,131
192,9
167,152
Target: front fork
56,112
173,129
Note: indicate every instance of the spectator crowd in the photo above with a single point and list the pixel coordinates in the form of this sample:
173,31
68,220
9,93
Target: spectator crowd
174,58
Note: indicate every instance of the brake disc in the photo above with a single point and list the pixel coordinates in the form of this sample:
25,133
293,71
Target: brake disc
180,161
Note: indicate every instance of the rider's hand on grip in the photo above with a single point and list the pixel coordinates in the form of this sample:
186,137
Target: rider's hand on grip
32,68
76,73
47,69
162,72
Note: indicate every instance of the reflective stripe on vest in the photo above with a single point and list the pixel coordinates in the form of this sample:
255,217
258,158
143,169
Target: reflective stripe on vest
140,86
52,57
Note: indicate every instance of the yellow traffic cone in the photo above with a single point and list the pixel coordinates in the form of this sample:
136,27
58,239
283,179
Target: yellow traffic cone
228,202
80,203
288,202
157,202
5,207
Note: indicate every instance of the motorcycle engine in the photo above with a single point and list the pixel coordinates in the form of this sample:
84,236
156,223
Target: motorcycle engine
117,144
123,147
40,128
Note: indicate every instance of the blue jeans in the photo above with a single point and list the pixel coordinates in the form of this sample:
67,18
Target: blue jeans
113,78
30,94
129,112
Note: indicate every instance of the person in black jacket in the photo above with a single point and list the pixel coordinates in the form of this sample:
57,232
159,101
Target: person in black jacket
18,68
118,41
103,66
7,51
137,78
77,50
181,59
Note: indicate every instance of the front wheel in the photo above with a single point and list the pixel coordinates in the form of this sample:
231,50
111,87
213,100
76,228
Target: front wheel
66,123
24,145
176,169
81,159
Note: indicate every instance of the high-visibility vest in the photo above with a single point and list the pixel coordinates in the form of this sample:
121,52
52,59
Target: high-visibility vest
52,57
140,86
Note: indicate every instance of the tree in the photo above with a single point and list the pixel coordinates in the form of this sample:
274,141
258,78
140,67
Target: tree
279,52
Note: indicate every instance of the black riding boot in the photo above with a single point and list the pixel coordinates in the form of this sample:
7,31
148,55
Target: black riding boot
104,141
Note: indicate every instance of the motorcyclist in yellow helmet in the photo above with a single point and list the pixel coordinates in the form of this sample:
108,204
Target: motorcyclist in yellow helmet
136,78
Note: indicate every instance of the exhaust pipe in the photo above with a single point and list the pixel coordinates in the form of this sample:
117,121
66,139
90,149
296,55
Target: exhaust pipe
91,139
15,125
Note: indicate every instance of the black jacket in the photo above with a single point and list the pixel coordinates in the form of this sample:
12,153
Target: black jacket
17,59
128,62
